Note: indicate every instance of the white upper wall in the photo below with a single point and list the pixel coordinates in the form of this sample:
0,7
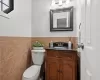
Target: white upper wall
19,23
41,20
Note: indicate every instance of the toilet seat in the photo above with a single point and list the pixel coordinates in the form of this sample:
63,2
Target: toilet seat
32,71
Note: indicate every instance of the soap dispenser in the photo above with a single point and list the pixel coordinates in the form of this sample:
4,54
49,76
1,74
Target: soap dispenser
69,44
51,44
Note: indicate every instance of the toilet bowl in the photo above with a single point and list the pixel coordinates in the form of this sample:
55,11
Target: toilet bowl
32,73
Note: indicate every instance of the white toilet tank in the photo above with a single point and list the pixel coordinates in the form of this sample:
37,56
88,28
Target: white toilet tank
38,56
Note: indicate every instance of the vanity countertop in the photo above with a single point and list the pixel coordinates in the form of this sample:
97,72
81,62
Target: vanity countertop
65,49
61,49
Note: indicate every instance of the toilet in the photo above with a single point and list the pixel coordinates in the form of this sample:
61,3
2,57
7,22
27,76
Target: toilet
33,72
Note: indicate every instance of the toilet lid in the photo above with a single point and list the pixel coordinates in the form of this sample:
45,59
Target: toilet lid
31,71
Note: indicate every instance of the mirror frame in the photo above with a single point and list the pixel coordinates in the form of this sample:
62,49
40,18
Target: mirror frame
52,11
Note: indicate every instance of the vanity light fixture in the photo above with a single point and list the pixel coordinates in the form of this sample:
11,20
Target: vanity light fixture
59,3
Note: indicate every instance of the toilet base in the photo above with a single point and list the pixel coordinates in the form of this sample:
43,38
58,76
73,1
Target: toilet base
40,79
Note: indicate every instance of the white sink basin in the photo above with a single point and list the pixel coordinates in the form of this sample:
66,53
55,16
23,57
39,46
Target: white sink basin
61,48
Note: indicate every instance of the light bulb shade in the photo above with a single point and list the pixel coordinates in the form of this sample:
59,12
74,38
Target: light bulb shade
67,1
60,2
53,3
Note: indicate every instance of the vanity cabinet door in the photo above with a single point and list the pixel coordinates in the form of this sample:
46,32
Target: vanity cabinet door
67,70
52,69
60,65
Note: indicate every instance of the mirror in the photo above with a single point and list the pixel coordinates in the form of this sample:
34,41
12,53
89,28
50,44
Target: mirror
61,19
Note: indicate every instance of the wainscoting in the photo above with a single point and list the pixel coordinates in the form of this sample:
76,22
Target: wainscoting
15,57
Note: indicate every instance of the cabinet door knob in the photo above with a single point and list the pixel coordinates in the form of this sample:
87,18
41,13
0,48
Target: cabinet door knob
56,56
61,72
58,70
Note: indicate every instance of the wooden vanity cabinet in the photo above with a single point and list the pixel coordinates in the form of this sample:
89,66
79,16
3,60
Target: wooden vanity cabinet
61,65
